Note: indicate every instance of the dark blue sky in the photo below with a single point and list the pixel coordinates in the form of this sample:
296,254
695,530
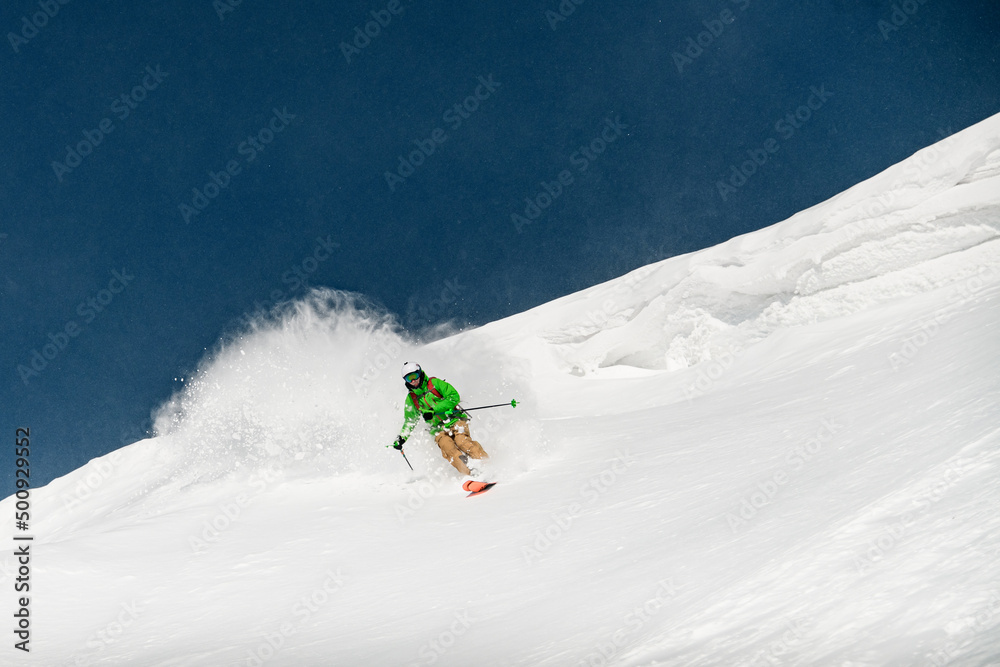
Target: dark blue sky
625,118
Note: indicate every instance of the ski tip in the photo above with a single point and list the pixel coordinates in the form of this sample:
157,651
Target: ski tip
476,488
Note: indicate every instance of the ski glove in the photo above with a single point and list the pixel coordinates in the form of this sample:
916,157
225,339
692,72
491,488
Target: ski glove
428,416
399,442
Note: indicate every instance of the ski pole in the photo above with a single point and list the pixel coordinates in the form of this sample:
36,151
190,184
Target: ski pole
405,459
512,404
404,456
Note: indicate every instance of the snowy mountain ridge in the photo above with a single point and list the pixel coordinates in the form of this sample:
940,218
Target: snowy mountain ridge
833,245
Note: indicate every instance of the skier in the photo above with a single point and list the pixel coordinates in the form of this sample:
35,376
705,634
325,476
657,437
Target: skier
437,402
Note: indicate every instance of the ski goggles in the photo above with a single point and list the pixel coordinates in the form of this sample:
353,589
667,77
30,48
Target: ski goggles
412,377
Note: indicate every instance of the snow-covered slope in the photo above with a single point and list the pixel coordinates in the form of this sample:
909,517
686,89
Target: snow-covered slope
779,451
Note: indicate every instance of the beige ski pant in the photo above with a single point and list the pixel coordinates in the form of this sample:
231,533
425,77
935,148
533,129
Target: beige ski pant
456,441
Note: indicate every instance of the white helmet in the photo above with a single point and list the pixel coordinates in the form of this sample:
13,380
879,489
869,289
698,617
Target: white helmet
410,368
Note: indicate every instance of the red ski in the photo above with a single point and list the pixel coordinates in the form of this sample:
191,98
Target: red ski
475,488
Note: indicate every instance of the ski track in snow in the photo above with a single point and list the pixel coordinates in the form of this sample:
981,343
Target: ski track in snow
782,450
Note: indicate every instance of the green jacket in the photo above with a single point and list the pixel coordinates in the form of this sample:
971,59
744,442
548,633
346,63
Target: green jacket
444,409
